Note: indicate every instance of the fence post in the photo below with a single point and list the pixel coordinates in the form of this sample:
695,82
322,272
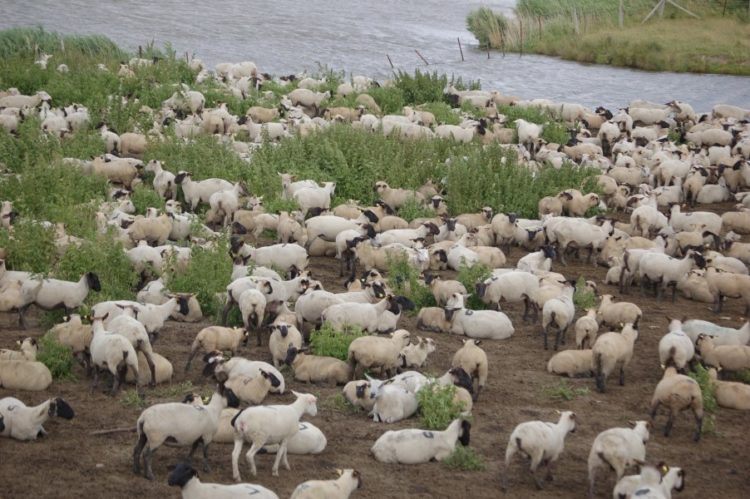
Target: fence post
140,51
520,35
420,56
389,60
460,49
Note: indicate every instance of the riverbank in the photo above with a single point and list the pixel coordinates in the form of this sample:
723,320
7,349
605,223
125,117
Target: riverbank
591,33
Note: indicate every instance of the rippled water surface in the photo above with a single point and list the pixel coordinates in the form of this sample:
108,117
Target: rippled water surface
284,36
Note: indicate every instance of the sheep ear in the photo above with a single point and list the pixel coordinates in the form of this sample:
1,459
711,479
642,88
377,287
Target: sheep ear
339,472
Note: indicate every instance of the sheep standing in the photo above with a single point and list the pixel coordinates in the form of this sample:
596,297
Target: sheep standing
541,442
472,359
558,313
586,328
675,348
112,352
371,351
678,392
612,351
618,449
25,423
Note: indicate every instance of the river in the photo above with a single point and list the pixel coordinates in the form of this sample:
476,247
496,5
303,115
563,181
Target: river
283,36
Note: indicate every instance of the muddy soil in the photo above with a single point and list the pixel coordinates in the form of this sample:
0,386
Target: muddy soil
73,462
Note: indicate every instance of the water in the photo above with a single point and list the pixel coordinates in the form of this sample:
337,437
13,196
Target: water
283,36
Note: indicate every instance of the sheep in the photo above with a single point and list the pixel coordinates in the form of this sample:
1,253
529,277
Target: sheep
665,479
415,356
473,220
433,319
153,230
558,313
253,390
738,250
541,442
24,375
133,145
720,335
729,357
612,314
443,289
252,305
696,220
286,257
619,449
566,231
310,306
730,394
314,368
472,359
185,424
217,364
25,423
364,315
199,191
283,336
25,101
721,284
357,393
393,403
129,327
113,352
528,134
27,351
218,338
55,293
586,328
407,237
511,286
185,477
571,363
75,335
478,324
412,446
395,198
613,350
163,371
315,199
269,424
308,99
678,392
371,351
736,221
348,481
369,103
576,204
538,260
675,348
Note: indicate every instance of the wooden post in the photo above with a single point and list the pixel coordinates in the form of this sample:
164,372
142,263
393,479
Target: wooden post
539,20
622,15
420,56
140,51
520,35
460,49
389,60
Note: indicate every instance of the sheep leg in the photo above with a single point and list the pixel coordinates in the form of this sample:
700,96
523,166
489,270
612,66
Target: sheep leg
235,458
544,334
550,467
670,422
622,375
674,291
717,303
22,316
152,368
286,454
206,466
592,478
225,311
137,453
193,448
699,426
190,359
95,381
654,408
558,337
250,457
148,456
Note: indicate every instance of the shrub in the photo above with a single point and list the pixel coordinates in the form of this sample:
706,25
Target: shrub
583,298
31,249
708,392
412,209
465,459
437,408
444,114
488,27
57,358
403,278
144,197
332,343
469,277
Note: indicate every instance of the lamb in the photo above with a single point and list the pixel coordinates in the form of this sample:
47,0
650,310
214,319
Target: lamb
218,338
613,314
676,348
112,352
314,368
612,351
472,359
358,394
572,363
478,324
395,198
55,293
27,351
665,479
25,423
558,313
349,480
729,357
538,260
185,424
541,442
415,356
24,375
678,392
371,351
393,403
269,424
283,337
586,328
730,394
253,390
199,191
413,446
433,319
618,449
185,477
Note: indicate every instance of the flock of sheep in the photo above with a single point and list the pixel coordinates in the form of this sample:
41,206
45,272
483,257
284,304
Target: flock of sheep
643,172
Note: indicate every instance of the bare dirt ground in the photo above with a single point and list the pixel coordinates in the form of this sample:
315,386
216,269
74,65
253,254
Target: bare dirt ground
72,462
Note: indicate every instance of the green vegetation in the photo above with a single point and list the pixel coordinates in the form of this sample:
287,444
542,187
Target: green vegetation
563,391
583,298
332,343
589,31
132,399
437,408
339,403
469,277
403,278
464,459
57,358
708,392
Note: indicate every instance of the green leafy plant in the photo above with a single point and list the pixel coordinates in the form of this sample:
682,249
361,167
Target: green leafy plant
57,358
563,391
404,280
469,277
464,459
333,343
437,406
708,392
583,298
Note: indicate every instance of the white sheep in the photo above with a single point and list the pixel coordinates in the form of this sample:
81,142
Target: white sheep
185,477
586,328
112,352
730,394
252,303
25,423
135,332
364,315
729,357
696,220
283,335
393,403
541,442
720,335
315,368
664,478
186,425
511,286
433,319
24,375
612,351
348,481
618,449
199,191
253,390
414,446
218,338
263,425
678,392
55,293
675,348
614,314
528,134
415,356
572,363
372,351
395,198
75,335
478,324
558,313
27,350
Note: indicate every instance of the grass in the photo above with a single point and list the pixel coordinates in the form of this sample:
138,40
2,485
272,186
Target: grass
469,277
708,392
563,391
339,403
57,358
332,343
437,408
130,398
589,31
403,278
583,298
464,459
